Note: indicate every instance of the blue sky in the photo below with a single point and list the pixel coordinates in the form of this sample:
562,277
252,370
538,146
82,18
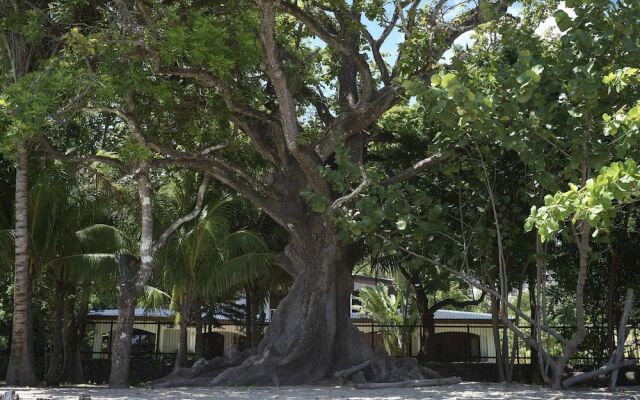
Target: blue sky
389,48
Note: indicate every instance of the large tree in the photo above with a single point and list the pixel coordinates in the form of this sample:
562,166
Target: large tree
301,124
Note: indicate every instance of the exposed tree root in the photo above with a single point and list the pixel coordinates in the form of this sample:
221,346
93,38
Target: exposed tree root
414,383
251,368
201,373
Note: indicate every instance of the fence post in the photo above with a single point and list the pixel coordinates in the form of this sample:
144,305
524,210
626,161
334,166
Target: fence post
372,336
157,340
110,337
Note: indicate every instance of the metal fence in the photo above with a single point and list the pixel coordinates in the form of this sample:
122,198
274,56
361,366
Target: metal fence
452,342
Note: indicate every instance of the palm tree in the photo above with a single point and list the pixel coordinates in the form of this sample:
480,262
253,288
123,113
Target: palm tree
397,313
207,261
64,247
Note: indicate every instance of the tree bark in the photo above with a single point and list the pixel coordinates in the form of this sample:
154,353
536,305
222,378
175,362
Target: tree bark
185,319
121,344
132,283
612,295
495,310
81,330
426,320
311,335
21,368
69,338
54,372
535,365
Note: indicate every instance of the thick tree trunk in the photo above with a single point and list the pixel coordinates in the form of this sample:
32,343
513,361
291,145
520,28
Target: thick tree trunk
21,369
54,373
121,350
311,335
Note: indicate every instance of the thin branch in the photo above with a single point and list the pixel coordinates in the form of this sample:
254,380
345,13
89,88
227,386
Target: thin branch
413,170
58,155
162,240
482,287
351,196
314,24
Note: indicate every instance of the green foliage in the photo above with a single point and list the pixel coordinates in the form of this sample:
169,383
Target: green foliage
595,203
397,313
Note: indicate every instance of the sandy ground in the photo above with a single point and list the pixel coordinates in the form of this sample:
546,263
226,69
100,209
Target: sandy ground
465,390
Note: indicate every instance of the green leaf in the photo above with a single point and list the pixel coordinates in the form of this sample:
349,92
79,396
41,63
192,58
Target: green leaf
563,20
448,80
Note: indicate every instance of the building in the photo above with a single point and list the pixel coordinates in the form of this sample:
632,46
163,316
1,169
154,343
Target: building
459,335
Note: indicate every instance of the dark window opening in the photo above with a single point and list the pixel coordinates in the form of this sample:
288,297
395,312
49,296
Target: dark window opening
454,346
143,341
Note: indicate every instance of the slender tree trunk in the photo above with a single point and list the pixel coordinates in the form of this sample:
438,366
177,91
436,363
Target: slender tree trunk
197,321
251,310
54,373
426,320
495,310
21,369
131,283
69,338
612,295
81,330
121,344
185,319
535,365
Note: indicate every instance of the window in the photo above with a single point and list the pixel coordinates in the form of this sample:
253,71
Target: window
356,303
454,346
143,341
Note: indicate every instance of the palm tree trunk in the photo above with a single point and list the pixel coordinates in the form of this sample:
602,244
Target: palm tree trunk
183,344
81,330
69,338
54,373
21,369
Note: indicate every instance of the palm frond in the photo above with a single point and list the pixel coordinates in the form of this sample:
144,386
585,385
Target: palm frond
75,268
241,270
153,298
104,237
